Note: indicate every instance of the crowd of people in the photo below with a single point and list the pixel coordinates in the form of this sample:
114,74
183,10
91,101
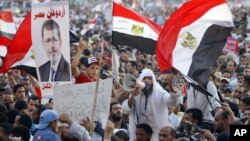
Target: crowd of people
166,108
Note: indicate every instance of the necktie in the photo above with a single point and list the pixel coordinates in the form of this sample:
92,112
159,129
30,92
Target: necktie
53,74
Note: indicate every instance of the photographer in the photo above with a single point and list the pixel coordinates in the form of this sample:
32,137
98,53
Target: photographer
207,104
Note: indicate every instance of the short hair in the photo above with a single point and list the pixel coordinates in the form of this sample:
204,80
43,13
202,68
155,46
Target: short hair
246,100
133,63
143,61
145,127
122,135
235,108
6,128
223,137
25,120
17,86
247,79
33,97
113,103
3,118
50,25
20,105
3,108
11,114
20,131
196,114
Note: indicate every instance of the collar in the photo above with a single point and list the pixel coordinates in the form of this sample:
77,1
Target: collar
57,64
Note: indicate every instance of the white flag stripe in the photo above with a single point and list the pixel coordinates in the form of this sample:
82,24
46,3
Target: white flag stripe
3,51
7,27
197,29
219,15
183,54
124,25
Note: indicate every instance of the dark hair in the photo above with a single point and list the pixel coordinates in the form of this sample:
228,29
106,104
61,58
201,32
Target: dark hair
143,61
3,118
246,100
50,25
234,107
20,105
224,114
17,86
247,79
223,137
113,103
145,127
122,135
11,114
20,131
25,120
196,114
6,128
133,63
3,108
33,97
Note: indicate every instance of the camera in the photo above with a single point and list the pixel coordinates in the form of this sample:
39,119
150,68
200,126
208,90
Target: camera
188,131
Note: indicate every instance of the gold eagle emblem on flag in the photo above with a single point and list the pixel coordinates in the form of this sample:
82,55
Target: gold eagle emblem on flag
137,29
188,40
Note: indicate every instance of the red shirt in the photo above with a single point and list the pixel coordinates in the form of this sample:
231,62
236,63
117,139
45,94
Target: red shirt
81,78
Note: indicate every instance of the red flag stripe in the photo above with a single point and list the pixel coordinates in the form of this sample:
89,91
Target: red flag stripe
4,41
38,92
20,44
121,11
185,15
6,16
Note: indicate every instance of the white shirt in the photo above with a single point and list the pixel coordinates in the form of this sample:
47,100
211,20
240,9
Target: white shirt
55,66
199,100
146,114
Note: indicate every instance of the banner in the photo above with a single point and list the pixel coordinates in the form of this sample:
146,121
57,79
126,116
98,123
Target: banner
50,23
77,100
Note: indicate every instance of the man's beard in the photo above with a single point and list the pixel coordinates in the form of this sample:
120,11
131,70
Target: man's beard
147,89
115,117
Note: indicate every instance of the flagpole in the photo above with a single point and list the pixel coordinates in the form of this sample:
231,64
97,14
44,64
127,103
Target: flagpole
191,81
96,91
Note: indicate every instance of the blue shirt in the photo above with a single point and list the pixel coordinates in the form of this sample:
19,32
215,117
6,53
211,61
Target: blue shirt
45,135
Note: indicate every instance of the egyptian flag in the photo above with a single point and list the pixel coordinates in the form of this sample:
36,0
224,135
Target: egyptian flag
19,52
89,26
134,30
7,31
193,38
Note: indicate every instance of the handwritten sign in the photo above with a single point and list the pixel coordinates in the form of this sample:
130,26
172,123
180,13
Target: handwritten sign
231,45
77,100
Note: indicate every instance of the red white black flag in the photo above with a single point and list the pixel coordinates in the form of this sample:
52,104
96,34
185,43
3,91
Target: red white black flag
7,31
134,30
193,37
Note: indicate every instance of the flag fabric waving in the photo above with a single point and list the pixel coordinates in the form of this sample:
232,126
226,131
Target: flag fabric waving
20,44
193,37
134,30
7,31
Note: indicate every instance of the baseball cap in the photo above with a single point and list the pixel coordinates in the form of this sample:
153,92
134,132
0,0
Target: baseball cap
91,60
46,117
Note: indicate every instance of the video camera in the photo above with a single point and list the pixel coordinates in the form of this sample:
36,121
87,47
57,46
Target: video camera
188,131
